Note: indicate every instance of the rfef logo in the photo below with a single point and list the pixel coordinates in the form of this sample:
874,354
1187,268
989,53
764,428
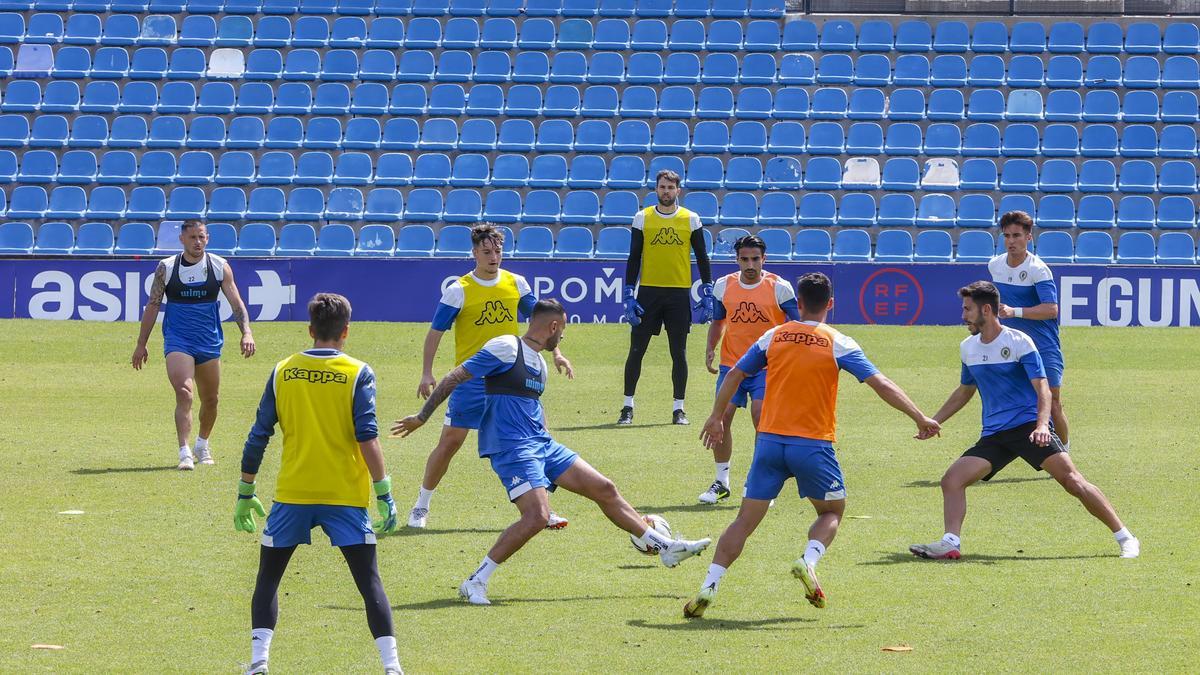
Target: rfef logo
891,296
494,311
314,376
748,312
666,237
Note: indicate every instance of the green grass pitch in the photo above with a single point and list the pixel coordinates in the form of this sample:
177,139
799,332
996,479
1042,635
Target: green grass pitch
153,578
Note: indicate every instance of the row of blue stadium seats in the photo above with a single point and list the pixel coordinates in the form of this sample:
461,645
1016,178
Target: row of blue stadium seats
948,70
585,207
636,101
980,139
388,32
568,8
533,241
282,167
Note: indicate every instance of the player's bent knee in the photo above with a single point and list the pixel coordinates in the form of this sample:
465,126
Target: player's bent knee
1075,484
536,519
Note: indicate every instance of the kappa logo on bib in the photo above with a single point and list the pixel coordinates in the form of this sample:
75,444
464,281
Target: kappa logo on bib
494,311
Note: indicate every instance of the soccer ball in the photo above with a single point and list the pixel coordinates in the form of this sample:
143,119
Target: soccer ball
659,525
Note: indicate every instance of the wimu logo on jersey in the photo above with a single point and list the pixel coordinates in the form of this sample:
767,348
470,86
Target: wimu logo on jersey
748,312
118,290
314,376
494,311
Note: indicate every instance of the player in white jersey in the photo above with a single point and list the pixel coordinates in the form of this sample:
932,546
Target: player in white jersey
191,283
1003,364
1031,304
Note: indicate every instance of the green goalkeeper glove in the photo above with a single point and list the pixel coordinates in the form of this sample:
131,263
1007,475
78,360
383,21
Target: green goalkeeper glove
386,506
247,506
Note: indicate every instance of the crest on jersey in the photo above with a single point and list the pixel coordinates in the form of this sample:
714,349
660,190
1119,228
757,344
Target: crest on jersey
1023,275
1005,353
748,312
666,237
494,311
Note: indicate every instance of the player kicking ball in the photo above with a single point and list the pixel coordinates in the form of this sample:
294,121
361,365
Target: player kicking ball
796,432
528,462
324,401
1004,365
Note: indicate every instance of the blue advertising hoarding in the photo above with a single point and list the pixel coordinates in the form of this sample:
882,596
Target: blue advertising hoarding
389,289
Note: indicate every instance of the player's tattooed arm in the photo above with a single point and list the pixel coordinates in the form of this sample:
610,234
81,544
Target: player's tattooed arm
442,391
159,287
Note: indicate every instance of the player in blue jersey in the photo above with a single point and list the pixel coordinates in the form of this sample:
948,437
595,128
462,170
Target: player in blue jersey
191,282
529,463
1031,304
480,305
330,471
1003,364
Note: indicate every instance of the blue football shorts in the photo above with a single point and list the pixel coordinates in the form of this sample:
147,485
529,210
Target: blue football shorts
812,463
1052,361
292,524
464,410
198,354
533,466
752,388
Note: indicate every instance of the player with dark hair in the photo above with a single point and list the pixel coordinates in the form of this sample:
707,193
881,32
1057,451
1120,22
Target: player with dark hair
1027,285
796,432
331,467
529,463
480,305
190,282
749,302
660,268
1006,367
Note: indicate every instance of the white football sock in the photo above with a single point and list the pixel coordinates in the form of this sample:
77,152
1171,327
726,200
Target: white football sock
184,451
201,444
484,573
812,554
628,401
952,539
1123,534
260,644
387,652
715,572
678,404
723,473
653,539
423,497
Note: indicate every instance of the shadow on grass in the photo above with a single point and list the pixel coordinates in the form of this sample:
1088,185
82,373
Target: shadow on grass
682,508
994,481
416,532
610,425
454,601
781,623
122,469
895,558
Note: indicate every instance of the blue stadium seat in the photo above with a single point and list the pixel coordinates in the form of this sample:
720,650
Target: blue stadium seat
1176,176
742,173
873,70
782,173
581,207
901,173
875,36
53,238
1020,140
1137,176
423,205
1181,38
720,68
903,138
135,239
974,246
1181,72
417,241
1135,212
1140,106
1180,106
98,239
797,69
1060,140
375,240
951,37
829,103
836,68
1064,71
936,210
1096,212
1103,71
799,35
1104,37
1097,175
777,208
859,210
454,241
817,209
791,103
703,204
1066,37
978,174
1094,247
981,140
147,201
738,208
866,104
942,139
990,37
976,210
38,166
946,104
1099,140
906,104
1019,175
1056,247
1142,72
986,104
612,243
949,70
186,202
335,239
852,245
894,246
261,64
837,36
646,68
343,203
49,131
823,173
1176,248
1056,211
534,242
573,242
384,204
107,201
1138,140
1058,175
541,206
813,246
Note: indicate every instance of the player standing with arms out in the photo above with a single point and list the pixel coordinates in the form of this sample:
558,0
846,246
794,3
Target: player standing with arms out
324,401
749,302
192,336
796,433
661,269
479,306
1006,368
529,463
1028,286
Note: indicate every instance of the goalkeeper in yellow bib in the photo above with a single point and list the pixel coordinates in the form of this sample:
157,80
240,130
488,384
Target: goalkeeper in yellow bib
332,465
659,266
480,305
